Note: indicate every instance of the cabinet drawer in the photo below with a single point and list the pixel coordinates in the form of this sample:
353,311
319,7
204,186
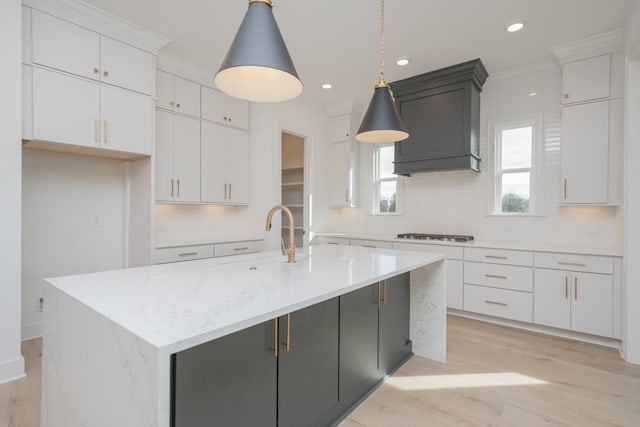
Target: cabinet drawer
573,262
499,256
499,276
499,302
236,248
370,243
452,252
183,253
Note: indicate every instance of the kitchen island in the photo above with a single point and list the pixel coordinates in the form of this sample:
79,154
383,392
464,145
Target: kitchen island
110,338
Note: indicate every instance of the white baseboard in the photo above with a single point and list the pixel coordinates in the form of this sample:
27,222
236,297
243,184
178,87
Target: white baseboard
593,339
12,370
31,331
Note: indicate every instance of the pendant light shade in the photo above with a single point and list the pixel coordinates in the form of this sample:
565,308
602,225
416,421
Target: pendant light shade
258,66
382,122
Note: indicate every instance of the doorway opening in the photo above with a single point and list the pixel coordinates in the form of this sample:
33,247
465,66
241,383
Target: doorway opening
293,185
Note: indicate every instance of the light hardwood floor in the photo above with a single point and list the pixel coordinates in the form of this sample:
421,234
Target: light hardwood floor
494,376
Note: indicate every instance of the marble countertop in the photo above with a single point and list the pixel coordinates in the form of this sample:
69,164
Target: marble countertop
520,246
177,306
171,242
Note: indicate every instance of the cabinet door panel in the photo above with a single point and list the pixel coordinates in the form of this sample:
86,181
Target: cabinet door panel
65,109
127,120
214,163
187,159
394,343
65,46
552,298
214,105
308,373
585,153
125,66
238,165
340,128
585,80
340,174
164,90
230,381
187,97
164,156
358,343
592,304
237,113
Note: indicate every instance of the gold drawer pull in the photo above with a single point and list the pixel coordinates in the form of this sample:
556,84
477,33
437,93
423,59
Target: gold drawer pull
494,276
495,257
275,337
575,288
288,342
188,254
566,287
573,264
496,303
332,243
368,246
241,249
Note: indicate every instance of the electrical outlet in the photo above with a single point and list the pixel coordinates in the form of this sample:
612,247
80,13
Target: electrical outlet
39,304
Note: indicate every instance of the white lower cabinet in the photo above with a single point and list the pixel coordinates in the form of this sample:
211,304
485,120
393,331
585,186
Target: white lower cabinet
177,158
211,250
582,302
496,302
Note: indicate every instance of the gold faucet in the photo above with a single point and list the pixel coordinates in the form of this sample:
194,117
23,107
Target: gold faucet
291,250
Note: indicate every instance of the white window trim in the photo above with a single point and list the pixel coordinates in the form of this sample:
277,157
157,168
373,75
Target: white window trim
536,197
374,190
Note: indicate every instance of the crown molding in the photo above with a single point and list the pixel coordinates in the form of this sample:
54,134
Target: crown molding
180,67
610,42
519,71
95,19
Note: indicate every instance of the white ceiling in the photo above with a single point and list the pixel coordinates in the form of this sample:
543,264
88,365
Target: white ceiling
337,40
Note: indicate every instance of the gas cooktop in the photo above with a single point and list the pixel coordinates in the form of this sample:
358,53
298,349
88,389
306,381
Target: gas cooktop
441,237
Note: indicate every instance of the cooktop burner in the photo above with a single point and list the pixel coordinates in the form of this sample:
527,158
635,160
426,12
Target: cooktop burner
441,237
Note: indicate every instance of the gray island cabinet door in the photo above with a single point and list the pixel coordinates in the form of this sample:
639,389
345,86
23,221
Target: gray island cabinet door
395,345
308,372
358,344
230,381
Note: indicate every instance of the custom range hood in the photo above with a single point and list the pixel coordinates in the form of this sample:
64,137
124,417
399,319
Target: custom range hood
441,112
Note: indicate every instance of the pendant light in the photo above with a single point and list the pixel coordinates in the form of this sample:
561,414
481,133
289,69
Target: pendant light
258,66
382,122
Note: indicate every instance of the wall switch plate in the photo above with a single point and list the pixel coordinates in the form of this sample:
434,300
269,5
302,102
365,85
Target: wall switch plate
39,304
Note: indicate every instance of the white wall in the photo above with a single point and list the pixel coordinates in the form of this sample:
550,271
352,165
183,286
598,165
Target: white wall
632,191
11,361
458,201
267,121
73,221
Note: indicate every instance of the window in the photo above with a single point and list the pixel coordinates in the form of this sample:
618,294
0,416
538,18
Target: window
514,169
385,188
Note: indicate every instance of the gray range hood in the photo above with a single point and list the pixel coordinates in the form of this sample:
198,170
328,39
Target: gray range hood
441,111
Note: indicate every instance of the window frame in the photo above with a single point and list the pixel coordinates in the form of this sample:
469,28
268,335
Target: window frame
377,181
535,123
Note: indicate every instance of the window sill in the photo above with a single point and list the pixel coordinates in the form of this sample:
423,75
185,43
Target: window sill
515,215
386,214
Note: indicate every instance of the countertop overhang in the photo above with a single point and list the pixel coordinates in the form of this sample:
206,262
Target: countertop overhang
177,306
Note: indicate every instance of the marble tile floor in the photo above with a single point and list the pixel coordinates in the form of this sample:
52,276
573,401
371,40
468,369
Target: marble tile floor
495,376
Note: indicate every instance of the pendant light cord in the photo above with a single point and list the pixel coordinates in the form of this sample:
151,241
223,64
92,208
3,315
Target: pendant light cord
382,42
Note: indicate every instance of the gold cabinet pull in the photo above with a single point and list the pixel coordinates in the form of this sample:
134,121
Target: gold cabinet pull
495,257
565,188
178,105
106,131
241,249
105,73
495,276
346,196
188,254
178,193
287,344
229,191
275,337
171,103
377,299
572,264
575,288
566,287
225,191
368,246
384,294
172,188
96,130
95,70
495,303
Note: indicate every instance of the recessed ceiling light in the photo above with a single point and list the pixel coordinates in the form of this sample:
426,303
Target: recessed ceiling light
533,93
327,85
403,61
515,26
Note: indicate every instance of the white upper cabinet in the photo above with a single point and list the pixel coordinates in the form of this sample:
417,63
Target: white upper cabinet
177,94
220,108
68,47
127,120
342,127
586,80
345,158
585,153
